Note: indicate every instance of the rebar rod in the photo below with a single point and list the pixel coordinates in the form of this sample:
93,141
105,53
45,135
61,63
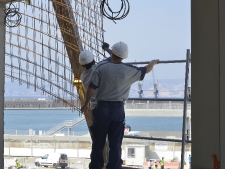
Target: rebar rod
160,62
156,139
185,109
158,99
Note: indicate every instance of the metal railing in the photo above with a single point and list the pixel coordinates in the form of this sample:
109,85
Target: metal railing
185,100
66,124
16,132
146,103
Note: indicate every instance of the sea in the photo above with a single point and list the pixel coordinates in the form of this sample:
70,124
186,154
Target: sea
20,121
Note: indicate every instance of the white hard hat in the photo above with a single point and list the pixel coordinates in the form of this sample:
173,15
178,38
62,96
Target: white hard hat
120,49
16,159
85,57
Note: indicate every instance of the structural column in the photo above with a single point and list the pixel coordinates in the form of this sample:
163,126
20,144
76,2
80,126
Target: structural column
2,81
208,82
222,81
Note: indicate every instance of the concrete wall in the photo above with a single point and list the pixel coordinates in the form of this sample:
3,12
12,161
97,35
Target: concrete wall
78,146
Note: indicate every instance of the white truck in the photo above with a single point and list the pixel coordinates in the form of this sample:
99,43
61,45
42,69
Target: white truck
52,160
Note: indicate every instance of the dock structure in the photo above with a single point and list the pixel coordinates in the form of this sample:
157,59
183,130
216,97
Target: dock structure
69,124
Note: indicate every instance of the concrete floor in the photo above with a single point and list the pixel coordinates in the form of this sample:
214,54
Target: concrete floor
73,163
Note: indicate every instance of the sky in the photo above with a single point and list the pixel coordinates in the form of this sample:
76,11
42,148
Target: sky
154,29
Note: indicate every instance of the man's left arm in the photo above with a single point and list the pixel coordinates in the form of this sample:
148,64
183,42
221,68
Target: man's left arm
88,95
90,91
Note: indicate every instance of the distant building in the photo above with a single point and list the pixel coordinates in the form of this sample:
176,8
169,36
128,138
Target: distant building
38,103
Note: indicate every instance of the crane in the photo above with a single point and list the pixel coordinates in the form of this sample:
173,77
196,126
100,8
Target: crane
140,91
155,85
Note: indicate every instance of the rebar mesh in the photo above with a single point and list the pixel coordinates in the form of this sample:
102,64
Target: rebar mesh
42,52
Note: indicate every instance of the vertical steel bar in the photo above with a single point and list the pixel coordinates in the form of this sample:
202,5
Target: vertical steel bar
2,81
185,109
9,146
31,147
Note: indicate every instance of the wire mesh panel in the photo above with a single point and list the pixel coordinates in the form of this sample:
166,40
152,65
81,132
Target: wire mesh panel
42,51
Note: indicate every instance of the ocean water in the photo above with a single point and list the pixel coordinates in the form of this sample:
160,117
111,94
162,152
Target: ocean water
45,119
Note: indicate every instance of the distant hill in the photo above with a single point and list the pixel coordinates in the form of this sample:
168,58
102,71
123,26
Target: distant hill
14,89
167,88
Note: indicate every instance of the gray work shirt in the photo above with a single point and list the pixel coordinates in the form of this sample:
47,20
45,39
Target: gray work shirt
114,80
86,79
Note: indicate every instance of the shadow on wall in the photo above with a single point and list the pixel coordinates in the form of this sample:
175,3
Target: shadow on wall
153,155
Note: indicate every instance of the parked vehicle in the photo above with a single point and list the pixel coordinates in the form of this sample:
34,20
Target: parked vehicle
53,160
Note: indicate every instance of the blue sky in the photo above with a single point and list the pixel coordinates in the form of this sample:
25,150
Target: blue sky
154,29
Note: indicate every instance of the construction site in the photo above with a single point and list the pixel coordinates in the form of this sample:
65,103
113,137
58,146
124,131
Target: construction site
40,44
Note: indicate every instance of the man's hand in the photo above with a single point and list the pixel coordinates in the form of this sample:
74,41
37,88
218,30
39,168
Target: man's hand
84,108
89,93
151,65
156,61
105,46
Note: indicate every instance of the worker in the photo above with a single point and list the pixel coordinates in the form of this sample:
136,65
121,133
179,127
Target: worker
149,164
86,59
162,163
113,80
17,163
156,166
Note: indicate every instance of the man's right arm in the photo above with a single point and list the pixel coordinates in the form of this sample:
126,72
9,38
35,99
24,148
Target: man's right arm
105,47
150,66
108,50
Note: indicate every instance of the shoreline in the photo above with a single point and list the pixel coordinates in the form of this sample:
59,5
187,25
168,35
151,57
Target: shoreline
57,108
129,112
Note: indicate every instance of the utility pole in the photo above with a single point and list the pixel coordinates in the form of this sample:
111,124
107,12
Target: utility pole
140,91
155,85
2,80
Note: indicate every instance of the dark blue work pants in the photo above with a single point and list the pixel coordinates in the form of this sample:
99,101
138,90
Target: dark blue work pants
92,118
109,119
